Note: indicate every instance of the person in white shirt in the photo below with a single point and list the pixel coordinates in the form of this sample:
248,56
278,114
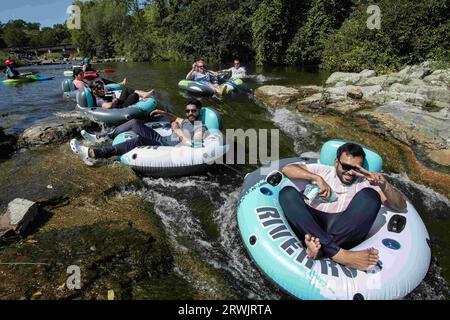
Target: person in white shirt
237,71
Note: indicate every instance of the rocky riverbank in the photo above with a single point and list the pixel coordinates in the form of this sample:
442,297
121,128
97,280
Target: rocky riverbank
411,106
86,220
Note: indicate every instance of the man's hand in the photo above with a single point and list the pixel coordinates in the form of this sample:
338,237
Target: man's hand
157,113
175,126
374,178
325,189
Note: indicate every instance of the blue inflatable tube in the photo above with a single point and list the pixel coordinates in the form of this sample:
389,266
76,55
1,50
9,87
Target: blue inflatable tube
86,104
179,160
70,93
404,252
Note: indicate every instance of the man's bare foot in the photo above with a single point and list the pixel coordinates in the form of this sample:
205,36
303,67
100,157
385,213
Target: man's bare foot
312,246
361,260
149,94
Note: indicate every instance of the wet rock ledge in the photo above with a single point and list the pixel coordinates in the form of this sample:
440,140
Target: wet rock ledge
80,218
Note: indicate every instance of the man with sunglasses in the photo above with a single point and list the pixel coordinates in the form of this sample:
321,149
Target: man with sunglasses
186,131
237,71
128,96
202,74
332,228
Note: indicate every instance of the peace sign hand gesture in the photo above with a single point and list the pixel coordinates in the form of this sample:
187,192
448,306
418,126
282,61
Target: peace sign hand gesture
374,178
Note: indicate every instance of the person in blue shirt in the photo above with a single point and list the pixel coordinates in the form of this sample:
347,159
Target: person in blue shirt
200,73
87,66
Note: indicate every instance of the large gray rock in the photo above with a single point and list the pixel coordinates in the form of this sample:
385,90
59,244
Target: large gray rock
346,90
439,77
414,72
347,77
384,81
277,91
276,96
54,129
311,103
431,92
19,215
355,93
414,99
412,125
368,73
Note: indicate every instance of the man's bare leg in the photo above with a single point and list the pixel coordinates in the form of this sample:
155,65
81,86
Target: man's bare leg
361,260
144,94
312,246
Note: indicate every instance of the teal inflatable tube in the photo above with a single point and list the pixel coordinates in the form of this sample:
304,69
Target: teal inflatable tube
86,104
404,252
70,93
179,160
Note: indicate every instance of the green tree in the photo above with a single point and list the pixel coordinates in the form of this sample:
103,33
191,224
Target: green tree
323,18
411,31
269,25
15,37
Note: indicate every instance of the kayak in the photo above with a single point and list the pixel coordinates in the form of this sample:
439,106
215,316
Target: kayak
91,76
401,238
31,78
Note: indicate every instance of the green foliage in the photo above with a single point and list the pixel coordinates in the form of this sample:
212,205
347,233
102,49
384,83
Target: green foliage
4,56
18,33
332,33
411,32
269,32
322,19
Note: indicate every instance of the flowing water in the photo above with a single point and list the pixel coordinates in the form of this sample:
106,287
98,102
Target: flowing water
199,212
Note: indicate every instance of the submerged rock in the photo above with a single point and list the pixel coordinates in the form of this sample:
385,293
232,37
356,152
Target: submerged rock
7,144
55,129
276,96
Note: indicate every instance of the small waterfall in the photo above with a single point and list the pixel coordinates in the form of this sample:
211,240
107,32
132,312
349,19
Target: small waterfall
171,199
292,124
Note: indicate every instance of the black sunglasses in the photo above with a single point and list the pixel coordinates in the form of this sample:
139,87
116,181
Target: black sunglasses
191,110
348,167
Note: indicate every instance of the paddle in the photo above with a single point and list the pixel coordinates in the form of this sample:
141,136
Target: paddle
106,71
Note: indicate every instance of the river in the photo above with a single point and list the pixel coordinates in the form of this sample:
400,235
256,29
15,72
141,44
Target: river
199,212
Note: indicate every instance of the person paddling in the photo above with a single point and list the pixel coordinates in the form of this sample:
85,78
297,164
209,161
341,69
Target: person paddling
12,73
